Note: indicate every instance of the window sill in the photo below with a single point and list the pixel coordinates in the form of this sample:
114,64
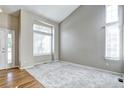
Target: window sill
42,55
111,59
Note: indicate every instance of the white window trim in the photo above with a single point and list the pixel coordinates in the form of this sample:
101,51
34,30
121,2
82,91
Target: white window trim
109,24
48,34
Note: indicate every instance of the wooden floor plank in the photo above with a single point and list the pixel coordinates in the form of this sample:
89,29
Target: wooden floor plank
16,78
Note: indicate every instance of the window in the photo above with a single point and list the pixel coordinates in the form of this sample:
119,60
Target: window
42,40
9,48
112,33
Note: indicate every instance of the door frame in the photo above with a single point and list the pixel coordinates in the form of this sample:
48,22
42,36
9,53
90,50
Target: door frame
7,31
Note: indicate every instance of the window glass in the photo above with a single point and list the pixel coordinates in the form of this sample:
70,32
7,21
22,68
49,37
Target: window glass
42,40
112,34
112,42
9,48
41,28
111,14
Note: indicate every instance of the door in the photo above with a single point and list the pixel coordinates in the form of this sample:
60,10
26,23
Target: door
3,55
6,49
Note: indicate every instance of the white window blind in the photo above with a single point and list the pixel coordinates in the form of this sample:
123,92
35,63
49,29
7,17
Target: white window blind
42,40
112,34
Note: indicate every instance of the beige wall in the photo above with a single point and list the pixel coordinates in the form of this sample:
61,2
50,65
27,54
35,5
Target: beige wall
26,39
11,22
82,39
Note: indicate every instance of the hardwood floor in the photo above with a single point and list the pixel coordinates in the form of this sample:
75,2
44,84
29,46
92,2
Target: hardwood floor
16,78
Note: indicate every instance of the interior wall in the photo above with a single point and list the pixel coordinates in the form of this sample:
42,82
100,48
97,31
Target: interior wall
82,38
123,36
11,22
26,39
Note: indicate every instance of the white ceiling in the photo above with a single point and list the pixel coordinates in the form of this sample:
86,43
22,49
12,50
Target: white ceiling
54,12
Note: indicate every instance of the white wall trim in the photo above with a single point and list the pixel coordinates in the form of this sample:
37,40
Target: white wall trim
88,67
98,69
43,62
9,68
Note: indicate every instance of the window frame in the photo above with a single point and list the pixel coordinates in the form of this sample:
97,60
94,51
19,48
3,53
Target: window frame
46,34
110,24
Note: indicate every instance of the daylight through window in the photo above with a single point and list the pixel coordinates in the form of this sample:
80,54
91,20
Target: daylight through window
112,33
42,40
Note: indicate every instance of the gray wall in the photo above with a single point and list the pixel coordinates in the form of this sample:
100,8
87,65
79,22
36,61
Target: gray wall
82,39
26,57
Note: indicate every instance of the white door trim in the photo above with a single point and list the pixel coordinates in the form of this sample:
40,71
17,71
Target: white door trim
7,31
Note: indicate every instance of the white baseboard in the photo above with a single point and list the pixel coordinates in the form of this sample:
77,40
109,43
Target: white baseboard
10,67
25,67
98,69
